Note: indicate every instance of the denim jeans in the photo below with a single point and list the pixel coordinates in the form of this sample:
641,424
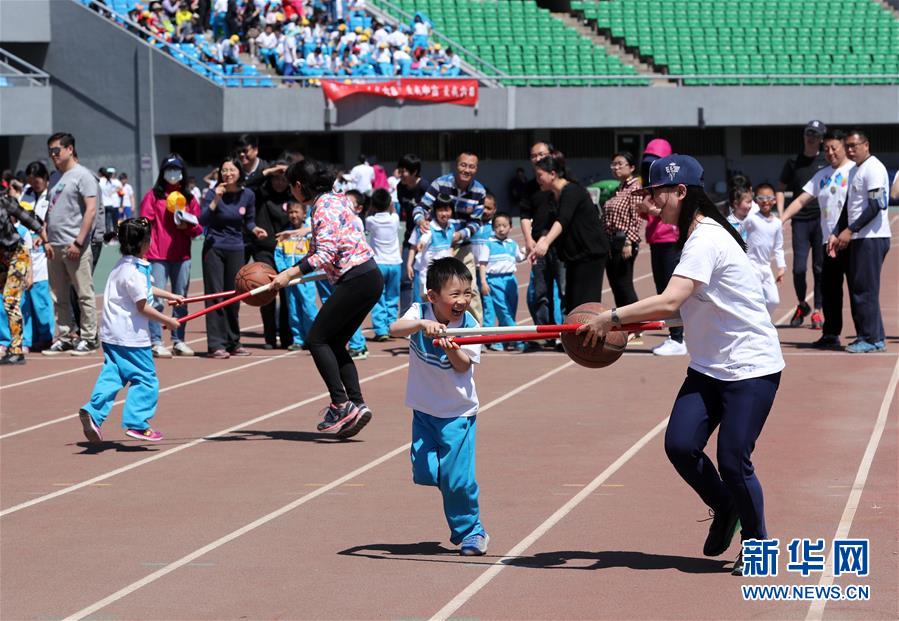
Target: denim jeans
178,274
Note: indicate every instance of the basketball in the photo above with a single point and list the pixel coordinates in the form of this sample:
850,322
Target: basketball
607,350
254,275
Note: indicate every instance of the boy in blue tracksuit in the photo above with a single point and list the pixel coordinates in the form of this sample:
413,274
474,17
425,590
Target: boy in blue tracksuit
301,309
440,390
382,226
479,248
497,268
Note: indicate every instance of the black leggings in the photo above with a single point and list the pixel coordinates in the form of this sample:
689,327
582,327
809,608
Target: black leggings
583,282
335,323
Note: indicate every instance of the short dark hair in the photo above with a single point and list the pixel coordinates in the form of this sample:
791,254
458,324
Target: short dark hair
359,196
835,134
65,140
444,200
502,214
441,271
467,152
490,195
133,233
246,140
859,133
764,185
410,162
380,200
37,169
241,175
628,157
315,178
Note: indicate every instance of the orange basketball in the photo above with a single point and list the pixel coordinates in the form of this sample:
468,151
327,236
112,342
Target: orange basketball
605,352
254,275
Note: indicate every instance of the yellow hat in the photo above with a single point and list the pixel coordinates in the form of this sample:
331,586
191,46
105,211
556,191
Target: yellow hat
383,45
357,30
363,38
305,22
437,46
234,38
368,31
279,17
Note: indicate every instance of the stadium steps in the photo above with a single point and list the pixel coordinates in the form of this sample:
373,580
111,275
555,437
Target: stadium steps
612,48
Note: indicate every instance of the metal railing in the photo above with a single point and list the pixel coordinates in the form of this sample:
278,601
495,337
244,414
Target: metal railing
16,72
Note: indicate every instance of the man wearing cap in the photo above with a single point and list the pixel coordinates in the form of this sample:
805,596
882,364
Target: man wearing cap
110,189
806,228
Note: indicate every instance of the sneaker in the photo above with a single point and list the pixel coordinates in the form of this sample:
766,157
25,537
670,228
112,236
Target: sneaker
801,312
58,347
861,347
359,354
880,345
828,341
219,354
475,545
149,434
495,347
670,348
3,351
635,338
737,569
268,347
83,348
355,424
295,347
381,338
721,532
90,428
337,415
11,358
817,320
161,351
181,349
240,350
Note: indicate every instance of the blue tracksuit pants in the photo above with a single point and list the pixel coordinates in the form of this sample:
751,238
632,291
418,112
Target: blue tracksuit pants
357,341
301,310
739,410
126,365
504,297
386,308
38,324
443,455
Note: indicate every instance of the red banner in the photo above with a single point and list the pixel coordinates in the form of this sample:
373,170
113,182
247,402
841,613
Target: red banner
460,92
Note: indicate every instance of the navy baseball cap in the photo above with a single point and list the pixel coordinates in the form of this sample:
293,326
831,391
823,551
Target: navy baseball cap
816,127
674,170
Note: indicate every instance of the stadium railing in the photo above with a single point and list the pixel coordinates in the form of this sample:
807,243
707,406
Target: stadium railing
16,72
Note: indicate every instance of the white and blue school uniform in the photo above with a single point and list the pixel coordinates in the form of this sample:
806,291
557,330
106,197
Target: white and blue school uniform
37,304
501,257
301,308
325,289
382,229
127,356
732,379
445,404
438,243
764,242
479,248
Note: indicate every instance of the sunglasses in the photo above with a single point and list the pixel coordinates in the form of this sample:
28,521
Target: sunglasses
765,199
54,151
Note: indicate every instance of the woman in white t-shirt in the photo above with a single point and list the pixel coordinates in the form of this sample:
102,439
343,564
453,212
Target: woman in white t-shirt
735,354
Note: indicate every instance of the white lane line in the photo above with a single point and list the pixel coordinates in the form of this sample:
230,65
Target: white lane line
265,519
91,366
196,380
816,610
481,581
178,449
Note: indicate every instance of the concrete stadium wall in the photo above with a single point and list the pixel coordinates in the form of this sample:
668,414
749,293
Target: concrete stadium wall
25,110
24,21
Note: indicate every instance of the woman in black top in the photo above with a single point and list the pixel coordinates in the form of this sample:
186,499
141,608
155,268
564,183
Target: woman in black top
577,234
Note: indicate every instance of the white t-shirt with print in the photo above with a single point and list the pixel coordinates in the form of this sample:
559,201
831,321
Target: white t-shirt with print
127,196
869,180
433,385
829,186
109,190
122,323
727,327
382,229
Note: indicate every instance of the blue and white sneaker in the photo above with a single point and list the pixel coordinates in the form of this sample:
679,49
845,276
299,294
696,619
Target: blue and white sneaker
475,545
861,347
880,345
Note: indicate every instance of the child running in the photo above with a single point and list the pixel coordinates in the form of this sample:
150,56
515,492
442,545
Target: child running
764,237
435,244
125,335
497,268
441,392
382,226
292,247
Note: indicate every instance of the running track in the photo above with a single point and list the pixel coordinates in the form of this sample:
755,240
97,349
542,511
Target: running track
244,511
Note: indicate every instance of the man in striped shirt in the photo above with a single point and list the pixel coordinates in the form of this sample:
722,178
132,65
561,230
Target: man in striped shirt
468,199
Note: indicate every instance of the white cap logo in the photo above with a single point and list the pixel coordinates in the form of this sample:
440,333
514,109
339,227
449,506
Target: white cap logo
672,169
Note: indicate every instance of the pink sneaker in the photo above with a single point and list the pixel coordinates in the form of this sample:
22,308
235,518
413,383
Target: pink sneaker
91,430
149,434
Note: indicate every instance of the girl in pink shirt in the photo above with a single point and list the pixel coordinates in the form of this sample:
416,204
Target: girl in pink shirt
169,252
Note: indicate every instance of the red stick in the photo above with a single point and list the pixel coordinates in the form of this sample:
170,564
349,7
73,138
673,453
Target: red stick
222,304
203,298
545,333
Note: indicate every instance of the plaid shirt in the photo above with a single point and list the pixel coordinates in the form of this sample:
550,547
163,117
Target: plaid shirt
620,211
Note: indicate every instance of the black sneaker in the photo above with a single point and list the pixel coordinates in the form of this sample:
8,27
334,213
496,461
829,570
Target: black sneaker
828,341
58,347
13,359
381,338
83,348
335,416
802,311
738,565
721,532
355,424
359,354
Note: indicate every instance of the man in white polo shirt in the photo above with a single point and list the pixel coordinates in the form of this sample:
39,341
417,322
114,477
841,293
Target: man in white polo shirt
829,187
864,229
